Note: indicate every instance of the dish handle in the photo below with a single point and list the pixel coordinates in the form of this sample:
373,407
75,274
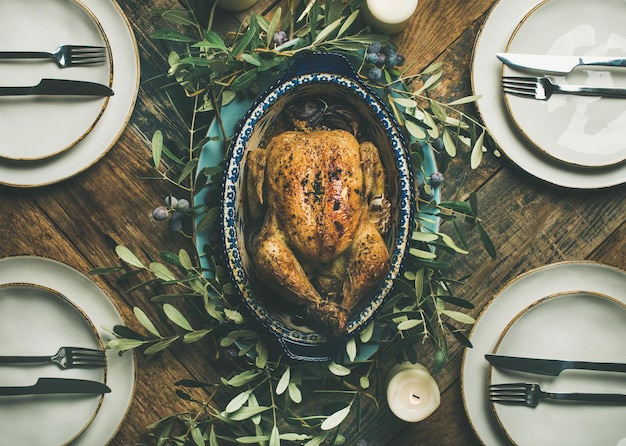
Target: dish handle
305,352
322,62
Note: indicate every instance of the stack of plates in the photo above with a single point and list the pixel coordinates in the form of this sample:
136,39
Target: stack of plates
571,141
47,139
568,310
45,305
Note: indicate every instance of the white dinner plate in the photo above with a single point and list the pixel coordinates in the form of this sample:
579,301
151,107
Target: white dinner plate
486,73
515,297
36,321
574,325
37,127
578,130
83,294
95,144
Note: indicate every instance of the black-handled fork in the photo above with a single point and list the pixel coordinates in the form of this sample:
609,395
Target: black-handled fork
65,358
65,56
529,394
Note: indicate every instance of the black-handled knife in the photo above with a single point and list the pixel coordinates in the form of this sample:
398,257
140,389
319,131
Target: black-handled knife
59,87
551,367
57,385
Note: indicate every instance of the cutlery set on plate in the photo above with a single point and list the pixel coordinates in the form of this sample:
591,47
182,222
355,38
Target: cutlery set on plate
65,358
530,394
65,56
542,88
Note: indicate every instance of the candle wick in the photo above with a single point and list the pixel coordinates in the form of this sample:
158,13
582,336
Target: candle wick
415,398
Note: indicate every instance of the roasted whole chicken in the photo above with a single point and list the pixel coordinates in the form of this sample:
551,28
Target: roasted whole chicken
319,196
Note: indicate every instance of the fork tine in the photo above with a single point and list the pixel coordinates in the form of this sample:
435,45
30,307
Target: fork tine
521,79
508,386
517,84
85,350
86,357
87,52
87,61
87,47
86,55
510,393
521,93
514,87
88,361
82,54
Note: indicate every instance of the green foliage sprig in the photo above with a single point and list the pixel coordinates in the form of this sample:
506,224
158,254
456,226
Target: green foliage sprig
264,398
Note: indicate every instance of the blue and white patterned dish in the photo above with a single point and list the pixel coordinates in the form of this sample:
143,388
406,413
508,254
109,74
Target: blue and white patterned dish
329,76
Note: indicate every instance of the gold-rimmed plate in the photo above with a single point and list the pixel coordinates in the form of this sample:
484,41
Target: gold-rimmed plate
571,325
97,142
486,75
579,131
517,295
34,321
86,295
37,127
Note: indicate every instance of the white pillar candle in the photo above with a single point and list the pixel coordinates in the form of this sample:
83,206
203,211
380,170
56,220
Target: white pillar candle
235,5
388,16
412,393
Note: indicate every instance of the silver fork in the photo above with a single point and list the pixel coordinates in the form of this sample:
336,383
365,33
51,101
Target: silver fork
65,358
530,394
543,88
65,56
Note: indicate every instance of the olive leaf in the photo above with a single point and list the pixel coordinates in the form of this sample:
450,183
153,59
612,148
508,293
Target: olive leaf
459,317
125,344
408,324
274,436
127,256
336,418
366,334
283,383
145,321
161,345
157,147
244,413
196,335
338,369
294,393
162,272
238,401
351,349
174,315
477,151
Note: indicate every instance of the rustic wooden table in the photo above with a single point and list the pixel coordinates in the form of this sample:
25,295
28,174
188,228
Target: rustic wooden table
79,221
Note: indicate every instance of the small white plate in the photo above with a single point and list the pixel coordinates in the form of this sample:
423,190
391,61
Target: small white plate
486,74
37,127
36,321
83,294
574,325
581,131
96,143
512,299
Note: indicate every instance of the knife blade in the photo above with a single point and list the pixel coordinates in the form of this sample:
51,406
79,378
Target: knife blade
549,64
551,367
45,386
59,87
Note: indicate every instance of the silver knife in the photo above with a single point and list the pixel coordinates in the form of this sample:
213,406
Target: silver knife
57,385
59,87
551,367
557,64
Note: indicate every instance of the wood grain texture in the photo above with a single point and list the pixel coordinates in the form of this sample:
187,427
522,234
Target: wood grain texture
79,221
